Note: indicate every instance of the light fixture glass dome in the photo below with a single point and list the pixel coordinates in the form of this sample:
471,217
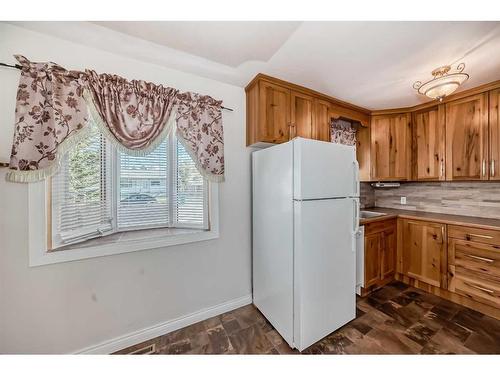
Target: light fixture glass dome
443,83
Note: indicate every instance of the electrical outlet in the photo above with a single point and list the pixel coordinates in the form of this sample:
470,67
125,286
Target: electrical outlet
403,200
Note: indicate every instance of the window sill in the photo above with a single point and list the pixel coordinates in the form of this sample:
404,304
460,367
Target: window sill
131,241
124,242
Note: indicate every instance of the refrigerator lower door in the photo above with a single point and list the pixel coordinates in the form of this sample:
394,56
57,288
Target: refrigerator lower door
324,267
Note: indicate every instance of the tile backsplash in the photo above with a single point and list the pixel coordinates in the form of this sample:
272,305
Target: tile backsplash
457,198
367,195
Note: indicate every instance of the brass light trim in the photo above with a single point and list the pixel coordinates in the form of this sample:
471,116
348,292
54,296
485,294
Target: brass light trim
443,82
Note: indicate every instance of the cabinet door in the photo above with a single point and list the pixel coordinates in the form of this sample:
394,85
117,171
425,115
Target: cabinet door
429,144
321,125
467,138
390,147
372,259
302,115
388,253
424,255
363,153
495,134
274,113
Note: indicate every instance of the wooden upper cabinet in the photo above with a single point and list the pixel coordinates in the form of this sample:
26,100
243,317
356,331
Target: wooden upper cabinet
390,148
278,111
467,138
494,135
321,125
428,142
302,115
363,153
424,252
274,116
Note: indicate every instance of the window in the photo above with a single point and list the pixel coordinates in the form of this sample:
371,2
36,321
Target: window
100,191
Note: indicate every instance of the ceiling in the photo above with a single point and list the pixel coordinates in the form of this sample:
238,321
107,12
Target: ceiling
370,64
231,43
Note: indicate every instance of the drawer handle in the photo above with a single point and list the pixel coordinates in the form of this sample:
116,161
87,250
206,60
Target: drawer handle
489,291
479,235
488,260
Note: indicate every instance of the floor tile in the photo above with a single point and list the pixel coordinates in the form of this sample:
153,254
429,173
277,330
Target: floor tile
396,319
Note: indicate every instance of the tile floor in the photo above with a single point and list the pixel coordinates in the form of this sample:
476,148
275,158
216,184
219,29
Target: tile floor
396,319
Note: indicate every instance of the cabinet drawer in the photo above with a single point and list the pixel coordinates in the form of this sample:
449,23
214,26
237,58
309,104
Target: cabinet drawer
379,226
476,259
476,289
474,234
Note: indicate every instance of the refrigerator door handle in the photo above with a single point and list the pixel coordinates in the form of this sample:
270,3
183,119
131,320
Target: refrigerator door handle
356,216
356,177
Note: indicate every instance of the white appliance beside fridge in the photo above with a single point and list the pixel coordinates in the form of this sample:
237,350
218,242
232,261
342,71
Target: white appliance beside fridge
305,220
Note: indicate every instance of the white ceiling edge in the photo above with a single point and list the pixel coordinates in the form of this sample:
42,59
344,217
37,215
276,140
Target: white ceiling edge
96,36
369,64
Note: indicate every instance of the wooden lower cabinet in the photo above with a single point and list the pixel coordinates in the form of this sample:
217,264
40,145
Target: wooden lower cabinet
423,254
372,259
474,266
455,262
388,254
380,254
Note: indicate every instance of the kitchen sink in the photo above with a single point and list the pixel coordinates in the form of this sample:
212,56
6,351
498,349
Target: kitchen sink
370,214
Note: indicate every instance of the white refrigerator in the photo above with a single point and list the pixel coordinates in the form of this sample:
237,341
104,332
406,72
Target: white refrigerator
305,220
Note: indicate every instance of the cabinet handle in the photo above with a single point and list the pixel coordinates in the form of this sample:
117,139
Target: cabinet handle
442,234
479,235
441,172
292,130
489,291
484,167
493,168
488,260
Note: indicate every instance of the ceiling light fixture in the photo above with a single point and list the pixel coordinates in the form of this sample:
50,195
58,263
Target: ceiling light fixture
443,83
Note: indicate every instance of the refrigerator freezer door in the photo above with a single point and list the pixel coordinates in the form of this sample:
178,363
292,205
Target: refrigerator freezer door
324,267
324,170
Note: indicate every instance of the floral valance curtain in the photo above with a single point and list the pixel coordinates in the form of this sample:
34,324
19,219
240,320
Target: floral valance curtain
55,107
342,132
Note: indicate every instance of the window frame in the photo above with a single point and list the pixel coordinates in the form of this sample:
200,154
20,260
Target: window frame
41,223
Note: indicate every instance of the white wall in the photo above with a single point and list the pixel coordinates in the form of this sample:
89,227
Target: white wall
66,307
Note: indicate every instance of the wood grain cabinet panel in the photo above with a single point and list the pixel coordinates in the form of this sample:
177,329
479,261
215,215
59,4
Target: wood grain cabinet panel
390,150
428,142
363,153
321,125
424,252
467,138
372,259
274,123
278,111
388,253
494,135
380,253
302,115
474,270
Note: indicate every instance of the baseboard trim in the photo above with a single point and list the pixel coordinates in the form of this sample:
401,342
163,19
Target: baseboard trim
149,333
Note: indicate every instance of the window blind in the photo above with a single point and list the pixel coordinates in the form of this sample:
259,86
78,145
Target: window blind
144,192
99,191
81,196
190,192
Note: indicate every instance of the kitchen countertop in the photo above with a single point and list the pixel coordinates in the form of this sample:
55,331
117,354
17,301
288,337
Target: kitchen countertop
471,221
